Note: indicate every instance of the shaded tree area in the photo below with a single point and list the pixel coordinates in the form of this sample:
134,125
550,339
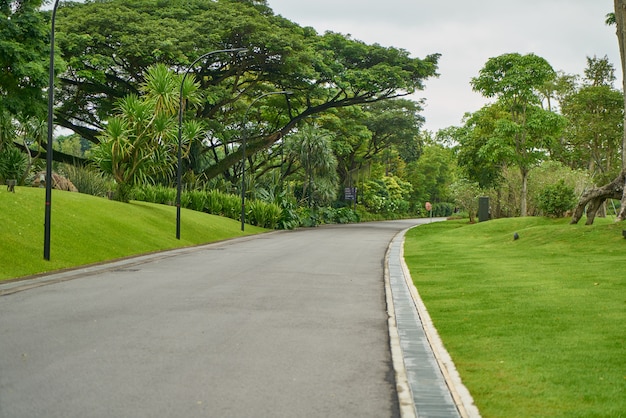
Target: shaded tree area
109,45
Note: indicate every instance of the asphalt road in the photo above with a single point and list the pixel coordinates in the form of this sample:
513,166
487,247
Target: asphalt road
286,324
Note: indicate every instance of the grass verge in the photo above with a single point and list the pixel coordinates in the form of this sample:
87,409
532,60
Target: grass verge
87,229
536,326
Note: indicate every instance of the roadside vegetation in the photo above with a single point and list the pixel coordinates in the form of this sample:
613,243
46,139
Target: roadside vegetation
88,229
535,325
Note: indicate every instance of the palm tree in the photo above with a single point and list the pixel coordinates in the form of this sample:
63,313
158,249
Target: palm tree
140,141
311,147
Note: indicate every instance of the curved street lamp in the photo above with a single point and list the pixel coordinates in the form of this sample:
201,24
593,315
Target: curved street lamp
179,174
243,156
48,208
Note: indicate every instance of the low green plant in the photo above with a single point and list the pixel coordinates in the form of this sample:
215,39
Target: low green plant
231,206
535,326
87,180
263,214
12,163
214,202
196,200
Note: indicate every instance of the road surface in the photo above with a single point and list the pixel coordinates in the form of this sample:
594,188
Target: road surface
285,324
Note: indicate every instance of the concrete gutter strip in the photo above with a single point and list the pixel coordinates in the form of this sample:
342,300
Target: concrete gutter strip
405,397
435,385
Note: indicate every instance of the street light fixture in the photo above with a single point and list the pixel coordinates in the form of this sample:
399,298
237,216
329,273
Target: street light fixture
48,208
179,174
243,156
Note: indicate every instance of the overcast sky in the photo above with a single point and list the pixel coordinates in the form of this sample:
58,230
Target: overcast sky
467,33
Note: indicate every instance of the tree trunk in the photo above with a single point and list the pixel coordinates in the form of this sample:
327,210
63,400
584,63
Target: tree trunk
594,198
617,188
620,21
523,204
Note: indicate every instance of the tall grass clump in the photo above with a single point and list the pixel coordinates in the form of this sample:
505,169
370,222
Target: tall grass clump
88,180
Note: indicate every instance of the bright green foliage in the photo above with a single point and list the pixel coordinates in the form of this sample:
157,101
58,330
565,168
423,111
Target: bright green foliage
386,132
12,164
514,79
265,215
214,202
311,150
24,58
523,131
388,196
555,199
466,194
595,111
110,44
432,175
141,142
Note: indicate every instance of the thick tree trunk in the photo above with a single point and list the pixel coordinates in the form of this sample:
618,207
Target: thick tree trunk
594,198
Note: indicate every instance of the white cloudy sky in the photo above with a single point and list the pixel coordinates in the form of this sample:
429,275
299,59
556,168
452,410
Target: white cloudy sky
467,33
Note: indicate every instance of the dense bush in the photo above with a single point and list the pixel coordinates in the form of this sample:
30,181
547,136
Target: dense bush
265,215
443,209
13,163
387,196
556,199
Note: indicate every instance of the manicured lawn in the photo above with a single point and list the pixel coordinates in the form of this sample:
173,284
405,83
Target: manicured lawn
87,229
535,326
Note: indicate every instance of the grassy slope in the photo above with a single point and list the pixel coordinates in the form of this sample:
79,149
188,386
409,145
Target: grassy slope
87,229
537,326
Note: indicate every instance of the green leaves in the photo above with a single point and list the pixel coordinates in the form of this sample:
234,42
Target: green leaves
513,78
24,52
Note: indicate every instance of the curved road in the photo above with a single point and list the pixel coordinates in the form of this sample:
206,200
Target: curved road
285,324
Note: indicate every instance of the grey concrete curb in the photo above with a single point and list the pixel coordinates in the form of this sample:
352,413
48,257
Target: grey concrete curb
423,367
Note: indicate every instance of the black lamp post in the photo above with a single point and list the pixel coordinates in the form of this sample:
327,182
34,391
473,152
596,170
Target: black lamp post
48,208
243,155
179,174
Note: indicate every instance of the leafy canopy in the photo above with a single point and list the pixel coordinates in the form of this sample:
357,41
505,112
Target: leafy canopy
110,43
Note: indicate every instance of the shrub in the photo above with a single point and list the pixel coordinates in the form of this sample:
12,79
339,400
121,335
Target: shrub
556,199
197,200
231,206
443,209
214,202
13,163
265,215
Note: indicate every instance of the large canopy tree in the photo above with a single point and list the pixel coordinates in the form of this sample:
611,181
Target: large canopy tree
524,134
110,43
594,111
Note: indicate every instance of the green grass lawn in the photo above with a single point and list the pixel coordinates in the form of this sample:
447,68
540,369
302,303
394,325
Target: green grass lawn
536,326
87,229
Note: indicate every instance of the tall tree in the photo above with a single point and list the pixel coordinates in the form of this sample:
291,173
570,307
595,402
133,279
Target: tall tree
593,136
592,200
382,131
110,43
527,131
